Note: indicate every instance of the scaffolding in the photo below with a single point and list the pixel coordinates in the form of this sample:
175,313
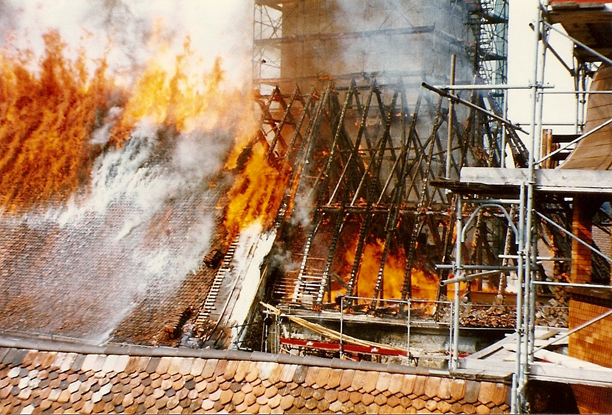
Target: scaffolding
533,201
376,155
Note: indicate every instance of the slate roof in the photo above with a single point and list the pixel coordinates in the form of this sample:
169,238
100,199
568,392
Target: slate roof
135,379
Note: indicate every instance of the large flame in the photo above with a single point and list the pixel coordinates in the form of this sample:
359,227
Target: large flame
51,116
45,124
424,284
257,192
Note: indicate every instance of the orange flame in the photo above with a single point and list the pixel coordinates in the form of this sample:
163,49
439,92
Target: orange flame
257,192
47,119
45,123
424,284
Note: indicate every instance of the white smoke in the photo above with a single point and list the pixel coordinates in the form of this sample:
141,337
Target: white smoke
147,217
121,30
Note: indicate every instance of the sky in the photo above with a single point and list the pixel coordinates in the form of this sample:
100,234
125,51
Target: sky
521,56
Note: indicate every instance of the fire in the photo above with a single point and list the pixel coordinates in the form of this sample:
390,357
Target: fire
50,114
257,191
424,284
45,124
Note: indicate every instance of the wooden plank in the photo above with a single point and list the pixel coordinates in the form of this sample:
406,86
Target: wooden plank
570,180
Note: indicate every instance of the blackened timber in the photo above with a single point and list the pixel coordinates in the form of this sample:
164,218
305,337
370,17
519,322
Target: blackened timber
325,172
294,156
422,207
363,234
403,157
376,162
298,286
345,35
363,111
325,280
305,111
393,216
281,124
388,118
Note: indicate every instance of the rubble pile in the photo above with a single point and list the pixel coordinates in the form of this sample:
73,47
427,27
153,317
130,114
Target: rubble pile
554,313
498,316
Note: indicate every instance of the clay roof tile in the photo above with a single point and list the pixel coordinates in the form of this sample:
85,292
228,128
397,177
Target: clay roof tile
331,395
419,385
311,376
432,385
323,376
393,401
307,392
319,393
274,401
185,367
241,370
197,367
271,391
457,389
483,409
335,406
288,372
220,368
238,397
472,390
311,404
253,372
209,369
323,406
286,402
300,374
164,365
366,398
347,378
380,399
500,394
344,396
275,373
486,391
383,381
359,379
370,382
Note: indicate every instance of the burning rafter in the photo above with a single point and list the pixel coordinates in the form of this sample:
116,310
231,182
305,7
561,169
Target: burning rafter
362,165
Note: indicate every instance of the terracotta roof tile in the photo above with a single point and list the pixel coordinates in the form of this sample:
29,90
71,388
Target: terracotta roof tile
287,373
253,373
307,392
300,374
384,379
323,406
311,404
371,379
271,391
472,390
323,376
311,376
482,409
380,399
500,394
119,383
485,394
344,396
469,409
458,389
432,384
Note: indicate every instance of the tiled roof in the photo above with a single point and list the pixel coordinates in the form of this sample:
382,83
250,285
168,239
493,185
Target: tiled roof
131,288
133,379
